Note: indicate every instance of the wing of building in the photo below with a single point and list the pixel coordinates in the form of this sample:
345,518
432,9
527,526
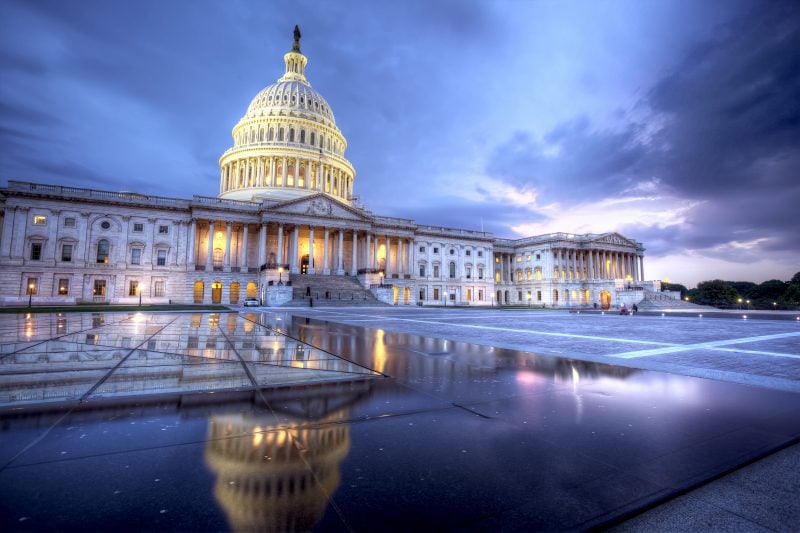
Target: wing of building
286,226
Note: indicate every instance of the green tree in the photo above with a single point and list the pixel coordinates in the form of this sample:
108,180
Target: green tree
790,299
796,279
746,289
717,293
675,287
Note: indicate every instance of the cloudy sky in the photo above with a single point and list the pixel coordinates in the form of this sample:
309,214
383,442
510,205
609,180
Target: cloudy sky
676,123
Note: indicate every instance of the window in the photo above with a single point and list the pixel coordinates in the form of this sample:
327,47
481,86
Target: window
538,257
436,293
528,257
480,253
192,342
105,224
435,271
33,287
311,139
422,249
538,296
452,269
528,275
480,295
422,295
519,275
435,250
102,250
99,287
161,258
163,230
469,274
452,252
138,227
291,135
497,259
422,271
133,288
280,134
519,259
303,136
66,252
69,222
36,251
519,296
39,220
136,256
453,296
92,338
63,287
480,273
538,274
158,288
469,253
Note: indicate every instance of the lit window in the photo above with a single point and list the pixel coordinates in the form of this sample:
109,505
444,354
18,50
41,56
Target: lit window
39,220
102,250
528,257
497,259
161,258
66,253
92,338
519,275
69,222
32,288
133,289
136,256
529,275
519,259
63,287
138,227
163,230
36,251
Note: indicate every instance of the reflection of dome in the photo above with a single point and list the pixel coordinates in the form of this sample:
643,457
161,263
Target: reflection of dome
287,144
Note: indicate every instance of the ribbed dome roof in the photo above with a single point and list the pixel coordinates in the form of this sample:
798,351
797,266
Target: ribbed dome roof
290,96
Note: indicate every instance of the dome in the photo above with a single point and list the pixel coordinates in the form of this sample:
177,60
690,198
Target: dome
290,97
287,144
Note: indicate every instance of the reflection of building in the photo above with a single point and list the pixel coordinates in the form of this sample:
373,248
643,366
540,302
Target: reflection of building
286,201
278,476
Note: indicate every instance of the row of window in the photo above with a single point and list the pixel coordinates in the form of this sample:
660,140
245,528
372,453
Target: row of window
452,271
69,222
99,288
103,250
450,295
314,140
519,258
468,253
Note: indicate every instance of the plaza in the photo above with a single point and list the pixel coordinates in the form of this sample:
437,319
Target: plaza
381,418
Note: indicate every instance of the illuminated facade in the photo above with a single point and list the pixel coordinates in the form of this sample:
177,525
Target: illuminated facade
286,207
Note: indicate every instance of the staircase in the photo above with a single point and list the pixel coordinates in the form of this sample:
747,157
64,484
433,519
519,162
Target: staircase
329,291
654,301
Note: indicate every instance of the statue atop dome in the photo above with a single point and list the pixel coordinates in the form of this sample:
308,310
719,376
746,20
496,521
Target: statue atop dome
296,45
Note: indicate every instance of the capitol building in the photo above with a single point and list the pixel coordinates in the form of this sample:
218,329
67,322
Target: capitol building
285,228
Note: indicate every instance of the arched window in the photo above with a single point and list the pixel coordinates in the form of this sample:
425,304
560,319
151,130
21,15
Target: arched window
271,134
280,134
291,135
452,269
321,141
261,135
102,251
303,136
311,141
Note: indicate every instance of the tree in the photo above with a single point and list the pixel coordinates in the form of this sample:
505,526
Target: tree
665,286
717,293
790,299
746,289
796,279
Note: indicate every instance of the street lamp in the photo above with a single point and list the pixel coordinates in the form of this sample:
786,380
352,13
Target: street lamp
529,301
445,298
31,286
740,303
280,275
381,277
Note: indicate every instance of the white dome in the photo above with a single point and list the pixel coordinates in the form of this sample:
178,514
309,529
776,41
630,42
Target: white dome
293,97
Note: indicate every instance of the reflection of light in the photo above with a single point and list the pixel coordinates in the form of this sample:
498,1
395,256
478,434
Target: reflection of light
380,351
257,436
298,364
27,316
576,377
526,377
138,317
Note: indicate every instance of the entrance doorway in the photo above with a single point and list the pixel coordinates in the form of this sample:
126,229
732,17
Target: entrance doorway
216,292
605,300
394,295
407,296
198,292
304,265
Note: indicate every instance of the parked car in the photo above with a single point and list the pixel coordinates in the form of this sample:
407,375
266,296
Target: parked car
251,302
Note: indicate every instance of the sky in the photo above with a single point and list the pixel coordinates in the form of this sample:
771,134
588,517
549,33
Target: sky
675,123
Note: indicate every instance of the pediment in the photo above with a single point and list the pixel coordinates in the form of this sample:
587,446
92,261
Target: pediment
319,205
615,238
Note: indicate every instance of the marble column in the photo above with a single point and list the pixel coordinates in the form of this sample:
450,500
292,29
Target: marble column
591,265
243,262
367,253
354,267
375,248
340,254
210,253
190,248
326,269
641,267
262,244
280,245
227,260
311,267
388,269
400,266
293,251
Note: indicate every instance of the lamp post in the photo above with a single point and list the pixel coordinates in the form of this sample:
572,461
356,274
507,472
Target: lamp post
445,298
381,278
748,303
30,294
740,303
529,301
139,291
280,275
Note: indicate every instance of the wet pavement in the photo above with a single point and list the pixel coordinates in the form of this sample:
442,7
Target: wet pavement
359,429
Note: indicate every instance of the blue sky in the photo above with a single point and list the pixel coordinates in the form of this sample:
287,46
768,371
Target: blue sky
676,123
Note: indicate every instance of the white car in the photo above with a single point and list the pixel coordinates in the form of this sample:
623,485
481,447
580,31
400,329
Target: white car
251,302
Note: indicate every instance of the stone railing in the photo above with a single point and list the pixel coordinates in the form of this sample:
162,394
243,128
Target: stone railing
222,202
76,192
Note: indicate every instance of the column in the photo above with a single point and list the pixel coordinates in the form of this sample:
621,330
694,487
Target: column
285,172
243,262
354,267
375,252
591,265
311,269
210,254
227,256
262,244
400,265
340,258
271,180
326,269
190,246
293,258
388,256
367,254
641,267
280,245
